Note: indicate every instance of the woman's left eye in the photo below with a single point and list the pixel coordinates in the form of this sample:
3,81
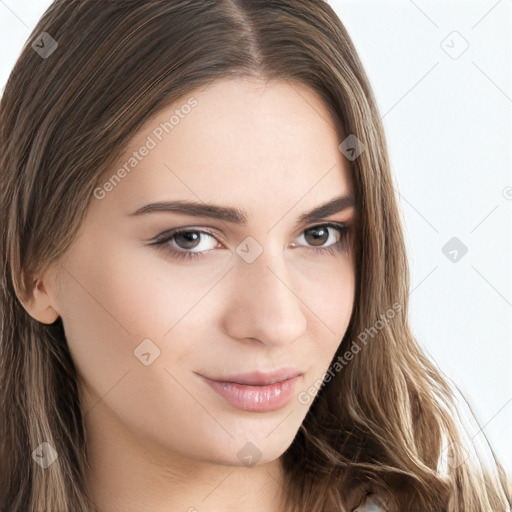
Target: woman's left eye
186,243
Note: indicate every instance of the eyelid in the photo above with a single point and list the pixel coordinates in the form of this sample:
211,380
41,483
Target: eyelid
169,232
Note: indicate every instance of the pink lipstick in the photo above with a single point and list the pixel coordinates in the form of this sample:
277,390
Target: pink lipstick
257,391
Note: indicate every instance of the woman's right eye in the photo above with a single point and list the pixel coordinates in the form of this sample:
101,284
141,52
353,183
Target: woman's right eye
185,240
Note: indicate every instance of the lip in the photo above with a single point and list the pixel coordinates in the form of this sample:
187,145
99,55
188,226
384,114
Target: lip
257,391
259,378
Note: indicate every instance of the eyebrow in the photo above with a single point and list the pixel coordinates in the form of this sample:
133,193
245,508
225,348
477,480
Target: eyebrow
237,215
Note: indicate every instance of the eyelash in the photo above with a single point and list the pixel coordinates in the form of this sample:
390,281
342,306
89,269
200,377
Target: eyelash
162,239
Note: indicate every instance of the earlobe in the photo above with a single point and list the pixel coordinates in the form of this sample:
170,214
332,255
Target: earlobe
39,305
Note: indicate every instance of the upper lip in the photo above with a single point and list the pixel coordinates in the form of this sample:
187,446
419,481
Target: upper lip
259,378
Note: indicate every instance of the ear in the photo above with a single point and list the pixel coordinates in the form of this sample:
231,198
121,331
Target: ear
39,304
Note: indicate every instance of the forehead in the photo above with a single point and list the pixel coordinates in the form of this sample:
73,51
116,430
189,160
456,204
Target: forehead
235,142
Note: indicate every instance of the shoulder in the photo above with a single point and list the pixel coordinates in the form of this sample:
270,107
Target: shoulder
370,502
371,499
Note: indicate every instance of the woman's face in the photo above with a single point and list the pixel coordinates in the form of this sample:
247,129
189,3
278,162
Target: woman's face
252,291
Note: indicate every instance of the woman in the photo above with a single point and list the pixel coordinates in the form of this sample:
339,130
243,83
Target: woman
173,340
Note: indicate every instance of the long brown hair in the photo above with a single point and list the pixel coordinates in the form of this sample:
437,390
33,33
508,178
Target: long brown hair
387,417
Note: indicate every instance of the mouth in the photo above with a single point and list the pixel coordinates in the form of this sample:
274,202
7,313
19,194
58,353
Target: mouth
259,378
257,391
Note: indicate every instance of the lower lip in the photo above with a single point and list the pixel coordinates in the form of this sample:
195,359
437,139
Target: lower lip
256,398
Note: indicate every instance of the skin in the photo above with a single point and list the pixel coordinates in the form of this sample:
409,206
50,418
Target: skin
158,438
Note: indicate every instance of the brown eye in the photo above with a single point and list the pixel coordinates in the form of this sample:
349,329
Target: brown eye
187,239
182,243
317,236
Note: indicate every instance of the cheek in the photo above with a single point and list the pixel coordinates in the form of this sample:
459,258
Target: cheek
107,313
111,306
330,302
329,294
128,291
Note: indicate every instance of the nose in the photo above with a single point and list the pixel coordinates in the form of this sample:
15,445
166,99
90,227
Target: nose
263,304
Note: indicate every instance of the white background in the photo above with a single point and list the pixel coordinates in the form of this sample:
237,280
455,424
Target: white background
448,126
